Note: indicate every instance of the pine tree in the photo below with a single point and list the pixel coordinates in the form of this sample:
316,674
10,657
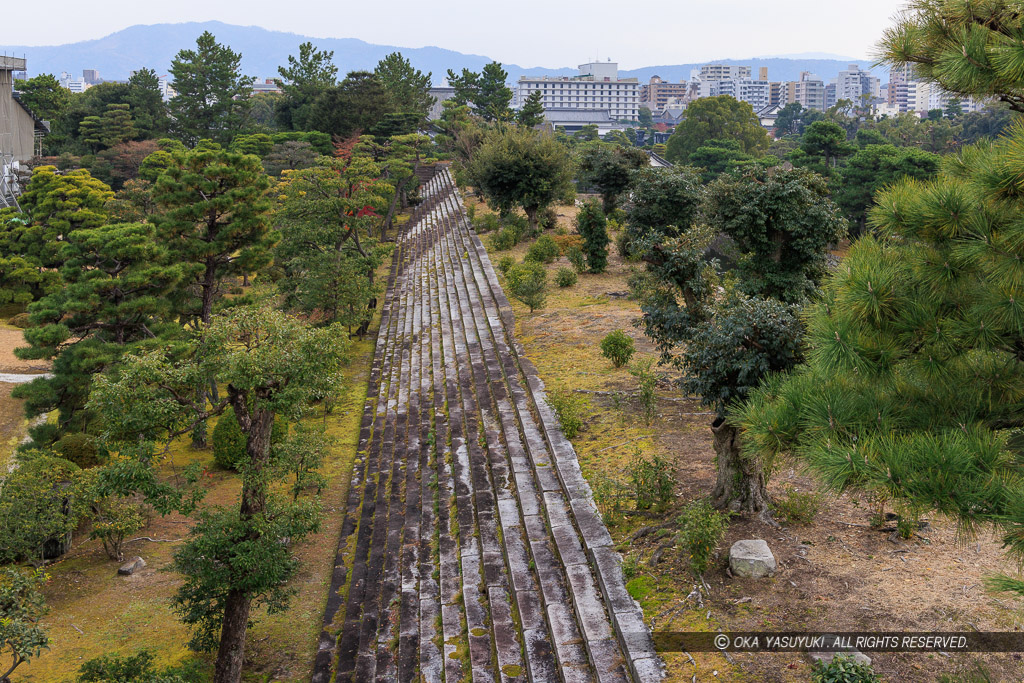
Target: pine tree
912,389
355,105
532,113
608,168
214,221
970,48
114,295
213,95
408,89
57,205
302,81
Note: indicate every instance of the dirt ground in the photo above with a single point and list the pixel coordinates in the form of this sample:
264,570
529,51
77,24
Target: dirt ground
11,337
835,574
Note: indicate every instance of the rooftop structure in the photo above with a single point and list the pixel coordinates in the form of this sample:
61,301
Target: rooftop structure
596,88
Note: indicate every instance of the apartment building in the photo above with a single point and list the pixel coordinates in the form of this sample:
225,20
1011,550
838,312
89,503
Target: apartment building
855,84
655,95
596,88
809,91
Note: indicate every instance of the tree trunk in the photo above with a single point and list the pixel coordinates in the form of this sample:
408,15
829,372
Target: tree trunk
231,652
199,441
741,481
531,215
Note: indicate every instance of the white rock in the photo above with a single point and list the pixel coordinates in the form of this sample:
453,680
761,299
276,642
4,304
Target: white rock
751,559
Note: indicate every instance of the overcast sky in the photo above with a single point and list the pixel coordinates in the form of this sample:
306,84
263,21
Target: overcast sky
549,33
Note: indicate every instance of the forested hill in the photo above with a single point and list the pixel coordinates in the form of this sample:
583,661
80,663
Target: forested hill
262,51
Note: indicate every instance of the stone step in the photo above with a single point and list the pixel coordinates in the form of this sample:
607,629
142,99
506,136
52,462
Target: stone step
478,553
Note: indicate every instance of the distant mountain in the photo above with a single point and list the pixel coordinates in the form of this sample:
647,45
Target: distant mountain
263,51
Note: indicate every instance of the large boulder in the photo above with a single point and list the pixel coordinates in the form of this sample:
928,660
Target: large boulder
131,566
751,559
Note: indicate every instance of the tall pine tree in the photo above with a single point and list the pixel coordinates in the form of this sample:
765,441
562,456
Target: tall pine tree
213,95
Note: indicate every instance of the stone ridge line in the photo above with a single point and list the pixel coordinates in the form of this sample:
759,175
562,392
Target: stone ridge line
471,548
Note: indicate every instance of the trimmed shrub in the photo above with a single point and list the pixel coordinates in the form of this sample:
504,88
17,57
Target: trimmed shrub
79,448
567,242
528,282
228,441
565,277
504,239
544,250
21,320
701,530
504,263
617,347
593,228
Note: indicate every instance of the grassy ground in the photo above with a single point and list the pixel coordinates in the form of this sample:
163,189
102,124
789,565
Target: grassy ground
835,573
93,611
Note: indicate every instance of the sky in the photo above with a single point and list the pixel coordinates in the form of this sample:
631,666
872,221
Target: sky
549,33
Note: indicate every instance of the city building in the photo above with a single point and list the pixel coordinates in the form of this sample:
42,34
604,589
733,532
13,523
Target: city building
657,93
857,85
573,120
809,91
721,72
712,80
268,85
20,132
830,95
596,89
439,95
73,84
91,76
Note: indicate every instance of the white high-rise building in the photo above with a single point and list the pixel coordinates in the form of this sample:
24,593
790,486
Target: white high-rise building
854,84
597,88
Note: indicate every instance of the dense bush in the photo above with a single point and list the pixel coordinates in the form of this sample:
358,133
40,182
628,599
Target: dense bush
617,347
489,222
565,277
527,282
701,530
593,228
570,409
114,668
504,239
229,441
544,250
843,669
79,448
504,263
20,320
